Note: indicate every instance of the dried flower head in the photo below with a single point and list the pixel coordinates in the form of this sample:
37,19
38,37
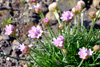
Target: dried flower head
53,6
35,32
84,53
38,8
92,14
65,51
67,16
96,48
76,9
59,42
9,29
61,26
46,21
31,1
81,3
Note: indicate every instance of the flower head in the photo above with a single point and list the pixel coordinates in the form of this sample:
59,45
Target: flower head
92,14
38,8
52,6
96,48
59,42
81,3
67,16
76,9
9,29
35,32
84,53
46,21
24,49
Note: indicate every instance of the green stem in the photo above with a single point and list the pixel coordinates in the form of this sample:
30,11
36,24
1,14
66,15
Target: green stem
57,16
82,19
35,60
13,57
80,63
68,35
75,21
51,32
44,46
59,8
91,29
78,23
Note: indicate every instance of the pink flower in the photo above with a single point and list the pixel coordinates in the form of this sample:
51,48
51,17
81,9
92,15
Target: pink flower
38,8
52,6
84,53
24,49
35,32
9,29
31,0
46,21
59,42
21,47
67,16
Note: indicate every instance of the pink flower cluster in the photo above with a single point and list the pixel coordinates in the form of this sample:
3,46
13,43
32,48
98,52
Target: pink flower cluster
35,32
59,42
84,53
9,29
67,16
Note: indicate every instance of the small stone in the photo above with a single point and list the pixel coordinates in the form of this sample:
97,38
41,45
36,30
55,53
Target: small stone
5,37
15,44
1,37
96,3
50,16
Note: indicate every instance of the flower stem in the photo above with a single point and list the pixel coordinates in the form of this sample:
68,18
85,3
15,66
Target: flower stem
51,32
80,63
75,21
81,21
78,23
13,57
91,29
57,16
68,35
35,60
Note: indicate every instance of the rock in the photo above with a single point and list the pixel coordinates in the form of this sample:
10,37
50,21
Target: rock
1,37
15,44
7,50
67,4
5,37
51,16
96,3
1,1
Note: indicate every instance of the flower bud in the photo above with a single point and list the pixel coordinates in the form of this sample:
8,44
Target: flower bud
61,26
53,6
81,3
33,1
65,51
92,14
46,21
96,48
76,9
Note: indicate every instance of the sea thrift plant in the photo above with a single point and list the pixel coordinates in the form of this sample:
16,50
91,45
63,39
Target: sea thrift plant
64,45
9,29
84,53
59,42
35,32
67,16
